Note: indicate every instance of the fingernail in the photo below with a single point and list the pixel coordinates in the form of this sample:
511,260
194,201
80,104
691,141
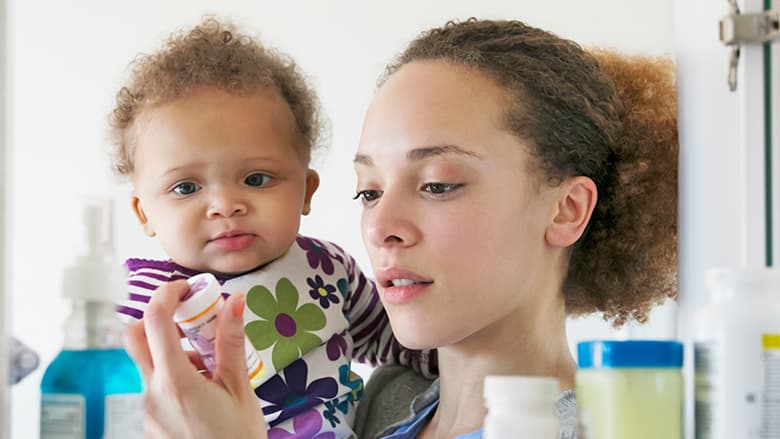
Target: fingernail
238,307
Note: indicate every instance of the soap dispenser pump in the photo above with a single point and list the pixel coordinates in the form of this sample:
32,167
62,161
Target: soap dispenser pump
92,389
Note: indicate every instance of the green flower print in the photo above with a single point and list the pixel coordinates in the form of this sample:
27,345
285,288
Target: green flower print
285,326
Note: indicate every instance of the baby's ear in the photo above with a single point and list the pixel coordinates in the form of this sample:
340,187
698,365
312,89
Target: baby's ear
312,183
575,206
140,215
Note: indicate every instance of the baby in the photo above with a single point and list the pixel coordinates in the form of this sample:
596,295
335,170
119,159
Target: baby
215,134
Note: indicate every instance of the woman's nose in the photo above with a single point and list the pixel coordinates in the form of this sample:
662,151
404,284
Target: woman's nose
390,223
226,203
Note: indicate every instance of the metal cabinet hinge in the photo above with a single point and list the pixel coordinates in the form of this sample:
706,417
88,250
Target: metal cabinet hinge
754,28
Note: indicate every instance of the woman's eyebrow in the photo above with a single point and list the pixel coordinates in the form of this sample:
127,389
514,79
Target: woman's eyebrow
423,153
436,150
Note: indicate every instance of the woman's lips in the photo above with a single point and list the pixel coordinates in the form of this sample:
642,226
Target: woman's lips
397,295
400,285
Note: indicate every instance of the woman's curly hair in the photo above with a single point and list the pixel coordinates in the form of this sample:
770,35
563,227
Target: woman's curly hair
603,115
211,54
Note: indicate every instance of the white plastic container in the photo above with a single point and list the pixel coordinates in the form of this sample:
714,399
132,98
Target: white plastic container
521,407
196,315
737,356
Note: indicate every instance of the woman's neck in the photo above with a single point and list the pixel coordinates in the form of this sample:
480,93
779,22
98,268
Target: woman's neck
530,343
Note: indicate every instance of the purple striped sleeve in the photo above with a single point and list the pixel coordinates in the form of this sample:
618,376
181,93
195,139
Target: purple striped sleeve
358,291
135,265
374,328
132,312
139,298
162,277
141,284
144,277
373,298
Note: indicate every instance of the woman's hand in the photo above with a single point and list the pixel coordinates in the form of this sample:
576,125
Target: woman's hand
180,401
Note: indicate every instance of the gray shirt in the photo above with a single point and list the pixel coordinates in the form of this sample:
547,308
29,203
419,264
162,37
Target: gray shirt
396,395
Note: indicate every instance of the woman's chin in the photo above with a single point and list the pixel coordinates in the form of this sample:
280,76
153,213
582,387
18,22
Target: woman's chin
421,337
414,343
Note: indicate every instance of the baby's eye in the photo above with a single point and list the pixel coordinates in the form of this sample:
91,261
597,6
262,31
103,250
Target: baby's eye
186,188
440,188
257,179
367,196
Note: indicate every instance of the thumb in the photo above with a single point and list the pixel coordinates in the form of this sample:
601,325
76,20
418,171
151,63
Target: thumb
230,347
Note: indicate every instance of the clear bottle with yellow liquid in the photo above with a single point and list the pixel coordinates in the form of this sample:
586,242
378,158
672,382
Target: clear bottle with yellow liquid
630,389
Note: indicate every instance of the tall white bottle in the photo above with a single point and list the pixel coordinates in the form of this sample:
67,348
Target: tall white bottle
737,356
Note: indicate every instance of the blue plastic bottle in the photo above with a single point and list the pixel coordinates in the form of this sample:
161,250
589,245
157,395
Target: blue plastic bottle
92,389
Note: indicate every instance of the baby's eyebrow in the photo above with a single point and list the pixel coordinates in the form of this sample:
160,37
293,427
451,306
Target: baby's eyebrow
176,169
363,159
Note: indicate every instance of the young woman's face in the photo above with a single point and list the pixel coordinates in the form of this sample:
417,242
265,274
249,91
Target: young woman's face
453,221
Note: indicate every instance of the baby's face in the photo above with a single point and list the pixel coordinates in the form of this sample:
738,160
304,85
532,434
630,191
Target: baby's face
218,179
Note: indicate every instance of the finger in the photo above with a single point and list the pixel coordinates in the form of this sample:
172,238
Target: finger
134,340
161,332
153,429
230,348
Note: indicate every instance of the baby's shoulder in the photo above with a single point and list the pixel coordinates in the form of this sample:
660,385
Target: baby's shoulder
321,253
157,271
310,243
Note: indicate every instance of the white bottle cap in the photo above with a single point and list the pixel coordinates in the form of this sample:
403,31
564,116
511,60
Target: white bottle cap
754,279
205,293
521,388
520,406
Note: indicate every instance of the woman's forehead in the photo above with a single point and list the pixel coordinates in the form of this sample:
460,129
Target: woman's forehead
433,99
436,105
440,86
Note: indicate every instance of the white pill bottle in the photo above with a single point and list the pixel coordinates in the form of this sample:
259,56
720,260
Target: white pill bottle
521,407
196,315
737,356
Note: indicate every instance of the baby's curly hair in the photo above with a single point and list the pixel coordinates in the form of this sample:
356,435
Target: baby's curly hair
211,54
603,115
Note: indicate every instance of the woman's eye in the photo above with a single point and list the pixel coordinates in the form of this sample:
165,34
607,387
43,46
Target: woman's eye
440,188
367,196
257,179
186,188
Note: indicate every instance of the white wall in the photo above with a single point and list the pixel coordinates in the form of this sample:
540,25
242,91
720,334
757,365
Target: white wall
4,326
66,60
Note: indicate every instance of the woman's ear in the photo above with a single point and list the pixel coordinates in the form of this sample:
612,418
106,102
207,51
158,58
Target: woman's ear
140,215
576,201
312,183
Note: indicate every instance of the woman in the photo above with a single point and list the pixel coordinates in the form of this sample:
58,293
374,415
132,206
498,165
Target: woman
509,179
506,183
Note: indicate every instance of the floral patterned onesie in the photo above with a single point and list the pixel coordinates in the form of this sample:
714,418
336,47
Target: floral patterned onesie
308,314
